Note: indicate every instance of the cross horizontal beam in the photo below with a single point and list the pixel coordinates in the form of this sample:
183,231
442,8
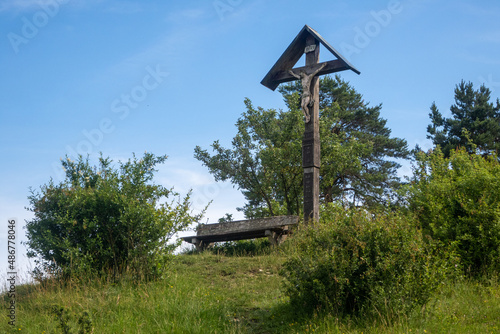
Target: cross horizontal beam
332,66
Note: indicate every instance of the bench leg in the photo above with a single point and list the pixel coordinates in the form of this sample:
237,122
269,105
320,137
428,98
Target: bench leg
273,237
282,238
199,244
284,234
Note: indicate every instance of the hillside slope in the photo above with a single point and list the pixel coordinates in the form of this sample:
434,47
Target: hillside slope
209,293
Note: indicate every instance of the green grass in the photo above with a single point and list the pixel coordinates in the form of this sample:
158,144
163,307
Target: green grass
214,293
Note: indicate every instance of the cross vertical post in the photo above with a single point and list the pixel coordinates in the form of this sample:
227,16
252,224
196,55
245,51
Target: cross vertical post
308,41
311,159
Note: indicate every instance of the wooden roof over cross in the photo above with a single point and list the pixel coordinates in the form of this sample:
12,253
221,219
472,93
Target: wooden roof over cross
279,72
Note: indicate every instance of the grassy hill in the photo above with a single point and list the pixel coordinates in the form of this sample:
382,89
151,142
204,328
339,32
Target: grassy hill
214,293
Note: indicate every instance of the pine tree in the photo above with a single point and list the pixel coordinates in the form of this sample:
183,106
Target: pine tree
474,117
265,161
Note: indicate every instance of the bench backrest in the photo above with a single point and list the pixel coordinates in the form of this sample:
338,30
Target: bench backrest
242,226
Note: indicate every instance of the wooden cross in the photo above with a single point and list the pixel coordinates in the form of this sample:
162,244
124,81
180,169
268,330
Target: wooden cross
307,41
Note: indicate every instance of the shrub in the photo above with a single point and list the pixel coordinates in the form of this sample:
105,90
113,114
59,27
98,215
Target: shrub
457,201
102,220
353,261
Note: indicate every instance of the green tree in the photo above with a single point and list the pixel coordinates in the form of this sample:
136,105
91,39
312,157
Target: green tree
265,159
457,202
473,112
102,220
355,145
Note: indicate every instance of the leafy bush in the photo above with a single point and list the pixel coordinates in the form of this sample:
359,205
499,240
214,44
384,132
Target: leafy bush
457,201
354,261
64,319
101,220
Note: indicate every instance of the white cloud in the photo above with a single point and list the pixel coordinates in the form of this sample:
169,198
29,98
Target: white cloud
187,174
179,170
14,209
189,177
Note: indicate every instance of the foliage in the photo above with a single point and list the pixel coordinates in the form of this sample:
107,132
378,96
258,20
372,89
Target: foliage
355,262
457,201
208,293
473,112
265,160
355,145
228,217
102,220
64,319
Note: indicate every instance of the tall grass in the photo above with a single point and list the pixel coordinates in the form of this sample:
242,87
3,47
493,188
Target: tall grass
218,293
174,305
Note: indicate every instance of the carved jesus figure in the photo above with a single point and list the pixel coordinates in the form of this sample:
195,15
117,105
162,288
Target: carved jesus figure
306,78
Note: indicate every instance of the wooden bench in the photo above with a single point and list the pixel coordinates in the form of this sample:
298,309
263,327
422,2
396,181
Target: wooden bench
275,228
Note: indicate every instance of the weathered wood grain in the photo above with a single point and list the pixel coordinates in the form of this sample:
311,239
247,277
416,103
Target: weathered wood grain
332,66
295,51
242,229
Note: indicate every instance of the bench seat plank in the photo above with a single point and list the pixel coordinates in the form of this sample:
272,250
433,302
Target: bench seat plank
242,229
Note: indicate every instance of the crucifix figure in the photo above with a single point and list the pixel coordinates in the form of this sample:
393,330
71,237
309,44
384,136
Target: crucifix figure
308,42
306,79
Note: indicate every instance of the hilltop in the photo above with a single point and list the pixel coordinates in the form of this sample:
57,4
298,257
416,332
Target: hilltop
217,293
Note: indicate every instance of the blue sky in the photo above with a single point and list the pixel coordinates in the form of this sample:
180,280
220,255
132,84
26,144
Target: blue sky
85,76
